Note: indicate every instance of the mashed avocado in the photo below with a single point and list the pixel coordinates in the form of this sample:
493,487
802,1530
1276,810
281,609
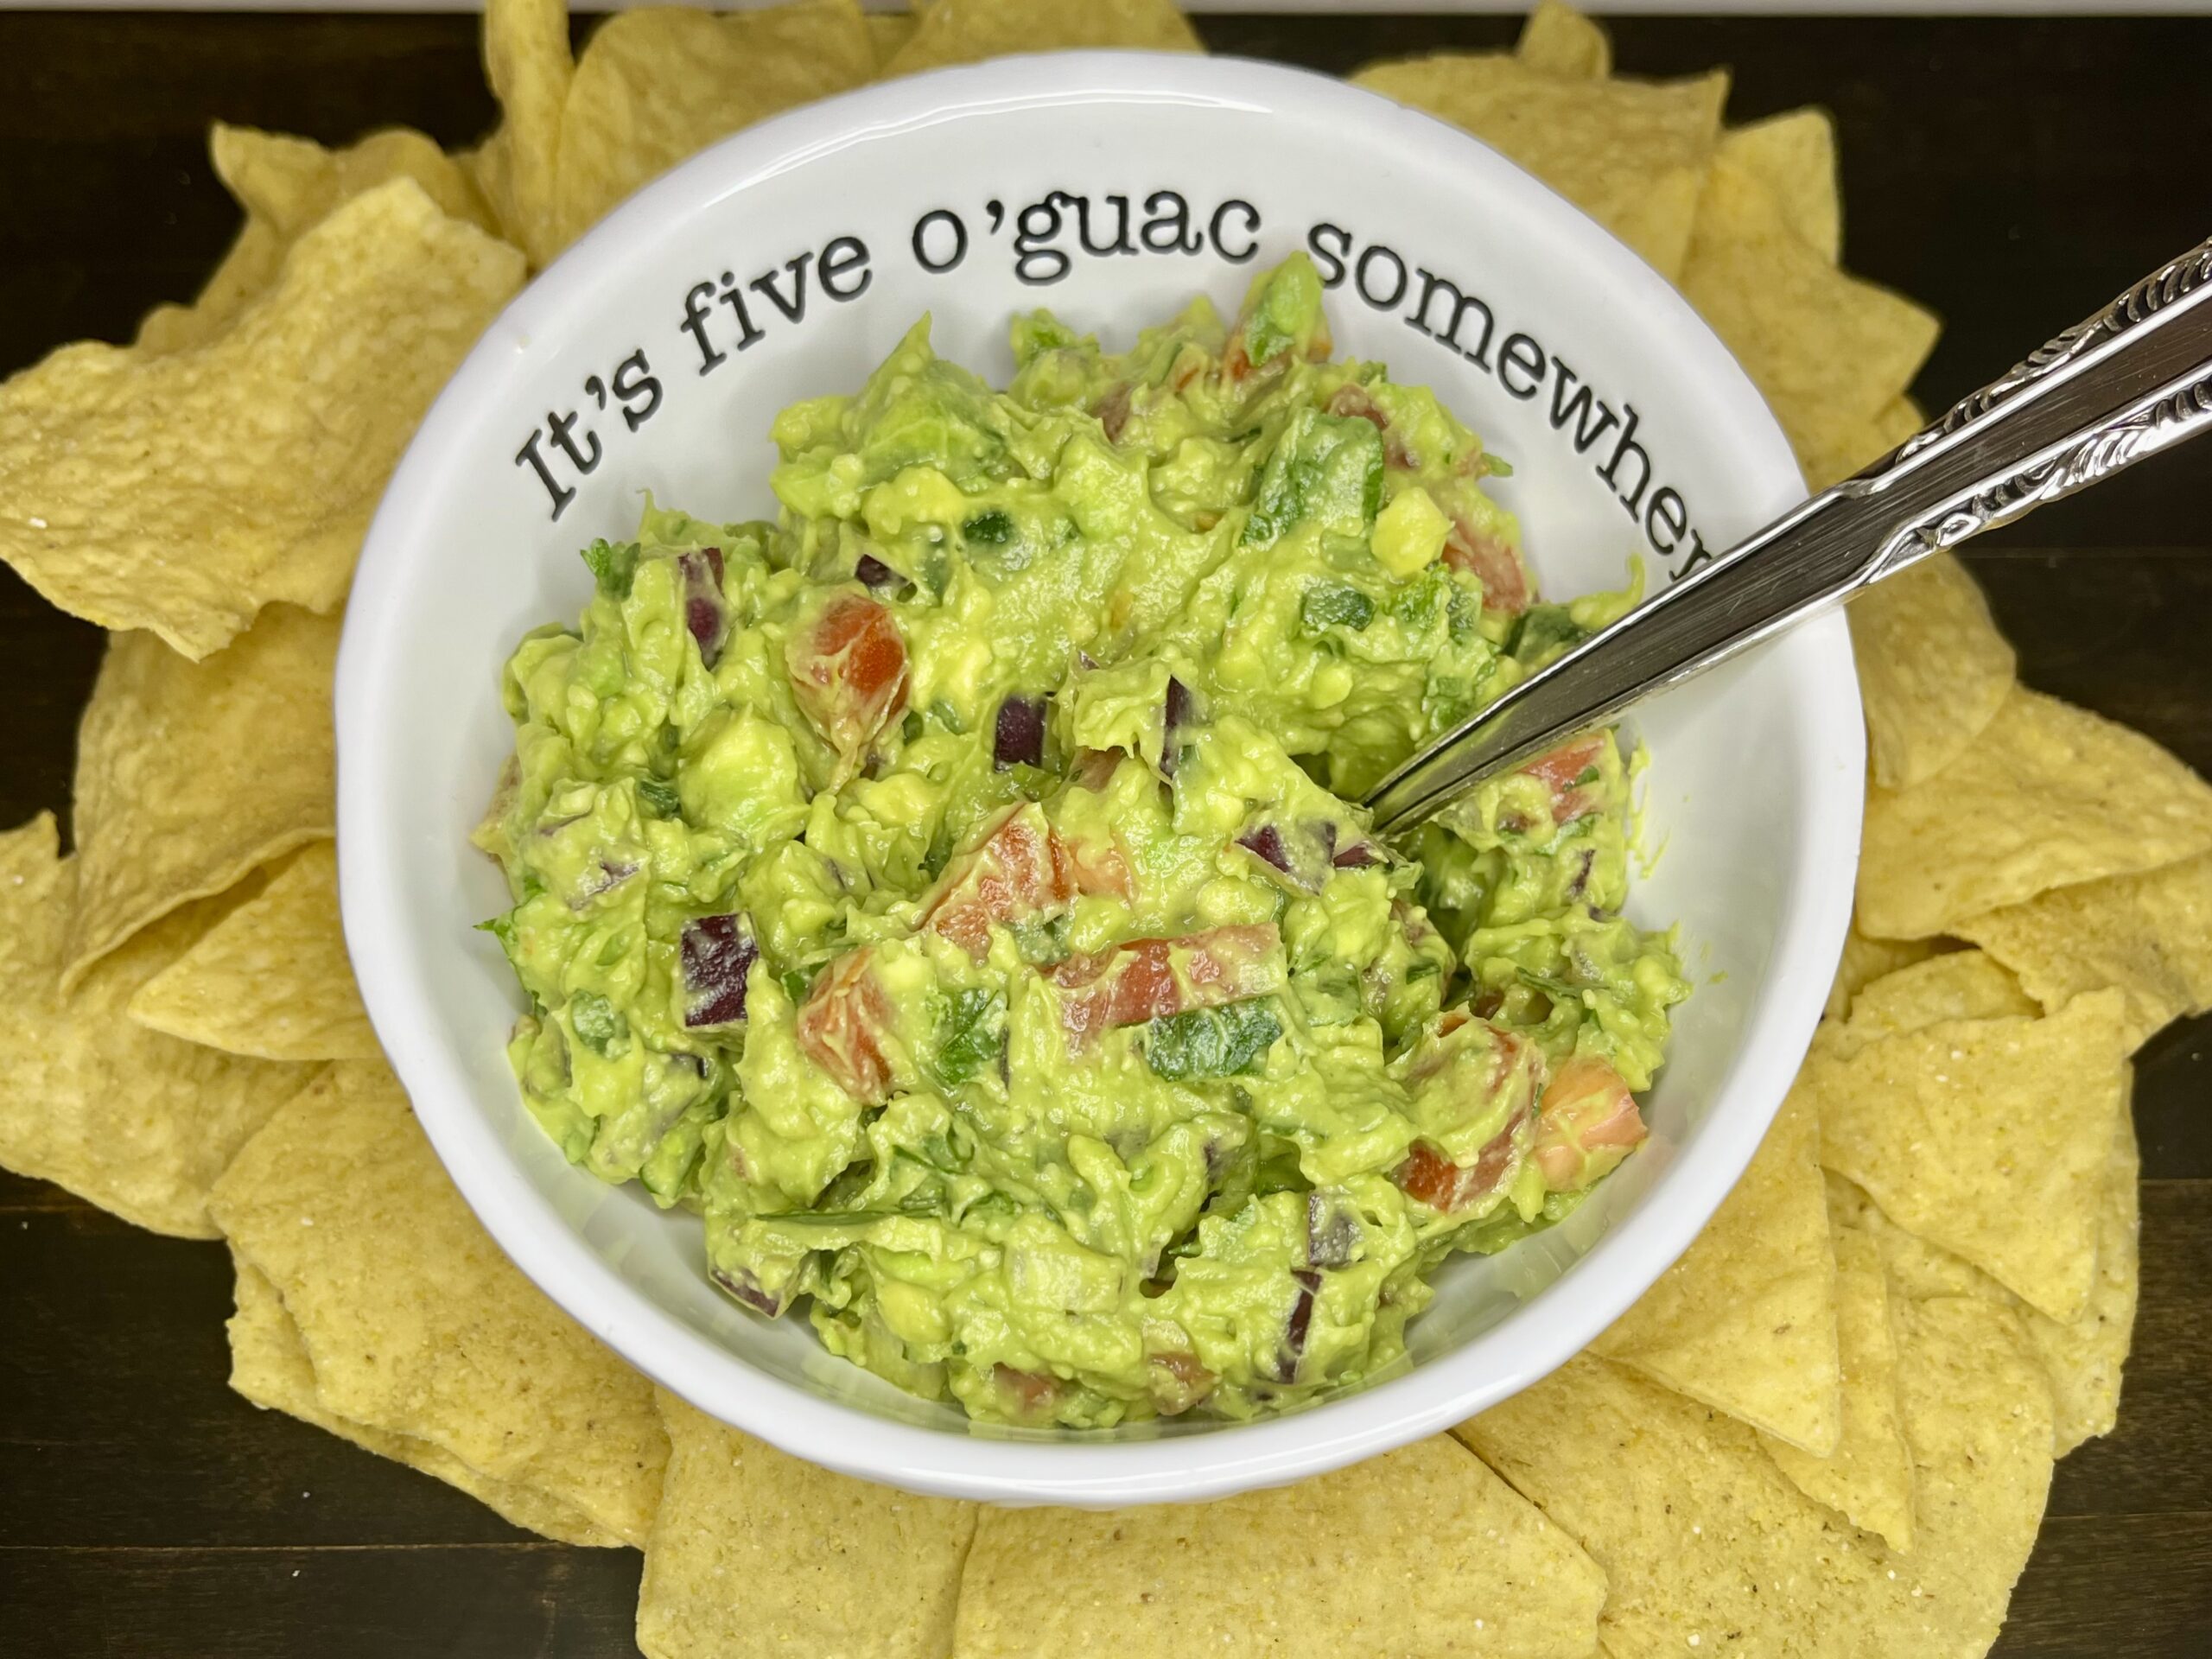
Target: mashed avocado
948,892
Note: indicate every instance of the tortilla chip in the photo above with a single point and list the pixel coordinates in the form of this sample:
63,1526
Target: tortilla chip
1957,985
1865,960
1835,452
2083,1359
1631,154
1933,670
1559,41
416,1324
270,979
137,1123
1868,1478
181,491
270,1366
1829,351
968,31
753,1546
1794,155
191,774
888,33
1423,1548
1745,1322
248,269
1703,1540
2050,795
657,85
2149,935
527,60
1989,1137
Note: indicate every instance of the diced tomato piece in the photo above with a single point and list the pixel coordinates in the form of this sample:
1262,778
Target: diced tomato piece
1029,1395
1505,584
1018,869
849,671
1352,403
1587,1124
1429,1176
1178,1381
841,1024
1152,979
1560,770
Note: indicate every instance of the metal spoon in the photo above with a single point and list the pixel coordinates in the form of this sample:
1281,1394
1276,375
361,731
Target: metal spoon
2131,380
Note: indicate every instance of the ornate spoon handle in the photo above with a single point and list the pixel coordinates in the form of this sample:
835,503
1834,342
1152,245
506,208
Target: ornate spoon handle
2132,380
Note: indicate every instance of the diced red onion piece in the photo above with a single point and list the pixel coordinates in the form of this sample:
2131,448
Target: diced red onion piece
1266,843
747,1289
705,611
874,573
1019,739
718,955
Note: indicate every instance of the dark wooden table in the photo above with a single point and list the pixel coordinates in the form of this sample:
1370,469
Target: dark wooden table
2013,175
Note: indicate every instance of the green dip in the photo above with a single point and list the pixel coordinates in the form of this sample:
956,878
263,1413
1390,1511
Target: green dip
948,892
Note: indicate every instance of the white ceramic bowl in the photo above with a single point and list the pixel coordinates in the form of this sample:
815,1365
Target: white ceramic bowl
1755,784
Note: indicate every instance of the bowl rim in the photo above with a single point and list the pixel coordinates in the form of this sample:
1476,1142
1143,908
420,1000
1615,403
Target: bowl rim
1517,1351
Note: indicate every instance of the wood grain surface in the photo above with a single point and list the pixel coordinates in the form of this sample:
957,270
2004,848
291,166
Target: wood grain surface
2014,174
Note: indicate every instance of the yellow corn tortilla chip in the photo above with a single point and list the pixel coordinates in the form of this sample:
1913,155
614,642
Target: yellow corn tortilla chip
1707,1547
249,269
2048,796
2148,935
1989,1137
657,85
888,33
1422,1549
272,979
1933,670
1865,960
1829,350
191,774
2083,1359
1631,154
1834,452
1794,155
968,31
293,184
1868,1478
270,1366
180,491
1559,41
413,1320
1745,1322
1957,985
528,63
138,1123
753,1549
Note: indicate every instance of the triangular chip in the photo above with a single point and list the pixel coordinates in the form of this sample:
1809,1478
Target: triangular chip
1828,350
1421,1550
1987,1136
2048,796
888,33
968,31
1956,985
1559,41
1933,670
270,1366
754,1550
657,85
1745,1321
2084,1357
1868,1478
181,491
1865,960
2149,935
248,271
137,1122
1631,154
527,60
270,979
1835,452
414,1321
1707,1547
191,774
1794,155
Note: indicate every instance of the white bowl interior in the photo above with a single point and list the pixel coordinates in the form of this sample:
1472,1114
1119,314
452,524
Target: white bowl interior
1753,792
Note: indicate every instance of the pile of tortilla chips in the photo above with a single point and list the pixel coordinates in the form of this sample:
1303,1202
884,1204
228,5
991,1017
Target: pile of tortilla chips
1828,1429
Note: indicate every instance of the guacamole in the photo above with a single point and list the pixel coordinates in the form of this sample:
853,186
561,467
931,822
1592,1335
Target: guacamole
949,891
